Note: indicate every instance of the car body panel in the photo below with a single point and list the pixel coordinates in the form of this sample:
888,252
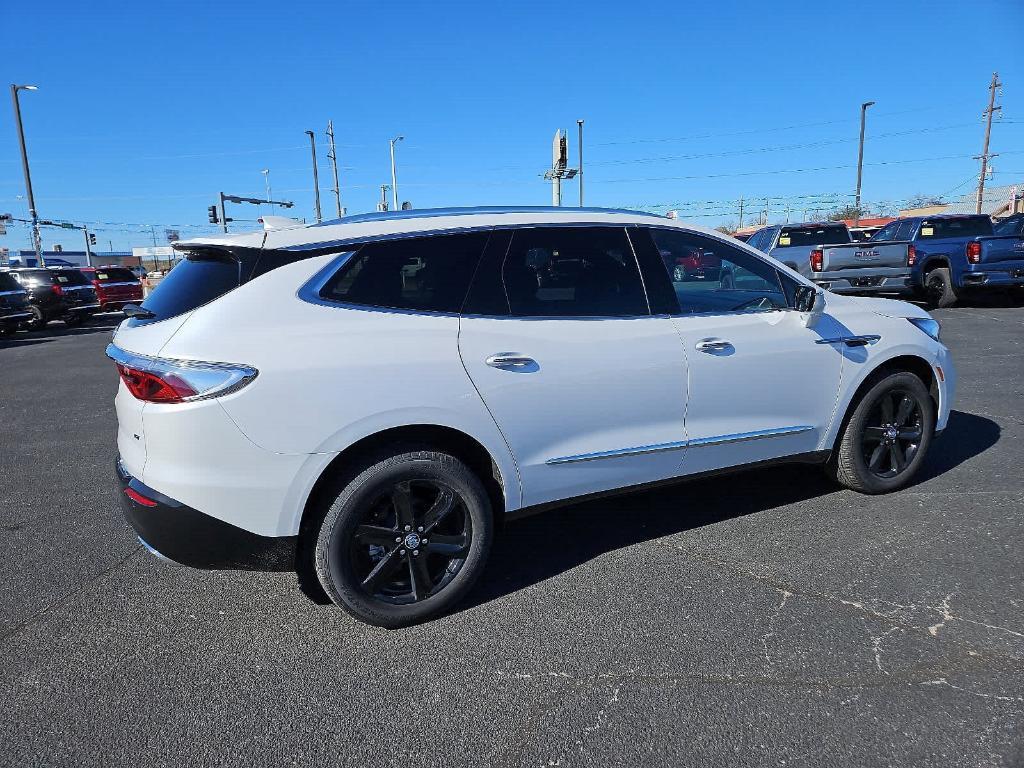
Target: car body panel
332,374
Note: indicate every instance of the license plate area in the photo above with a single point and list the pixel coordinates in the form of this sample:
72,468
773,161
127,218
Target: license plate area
865,282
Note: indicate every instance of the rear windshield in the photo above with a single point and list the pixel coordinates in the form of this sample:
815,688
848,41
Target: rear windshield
195,280
968,226
69,277
8,283
115,275
828,234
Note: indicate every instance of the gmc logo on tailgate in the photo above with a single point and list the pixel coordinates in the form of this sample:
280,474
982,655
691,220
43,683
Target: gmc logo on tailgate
866,255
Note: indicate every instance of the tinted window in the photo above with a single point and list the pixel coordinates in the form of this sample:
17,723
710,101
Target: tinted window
1011,226
8,283
823,234
70,277
115,275
712,276
905,231
757,239
429,274
573,271
34,277
194,281
969,226
888,232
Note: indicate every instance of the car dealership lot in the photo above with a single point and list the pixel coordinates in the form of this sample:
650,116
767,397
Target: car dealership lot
762,618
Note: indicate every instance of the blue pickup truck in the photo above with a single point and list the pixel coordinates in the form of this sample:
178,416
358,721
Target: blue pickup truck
953,254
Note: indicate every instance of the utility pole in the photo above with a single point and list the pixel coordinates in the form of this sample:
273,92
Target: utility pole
394,173
740,225
860,155
266,179
579,124
37,242
559,166
383,204
985,156
316,178
333,155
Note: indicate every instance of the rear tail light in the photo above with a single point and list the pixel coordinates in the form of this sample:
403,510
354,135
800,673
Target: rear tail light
974,252
57,290
911,255
157,380
817,260
96,283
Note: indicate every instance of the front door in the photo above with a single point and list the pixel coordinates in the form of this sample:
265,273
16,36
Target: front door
587,387
761,387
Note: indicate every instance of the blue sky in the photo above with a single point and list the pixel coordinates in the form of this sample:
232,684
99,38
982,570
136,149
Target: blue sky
146,110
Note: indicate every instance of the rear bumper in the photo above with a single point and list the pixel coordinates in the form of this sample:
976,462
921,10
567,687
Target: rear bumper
839,283
993,278
176,532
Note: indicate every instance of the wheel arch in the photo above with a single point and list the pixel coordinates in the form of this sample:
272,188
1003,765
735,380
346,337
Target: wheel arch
350,460
938,261
909,363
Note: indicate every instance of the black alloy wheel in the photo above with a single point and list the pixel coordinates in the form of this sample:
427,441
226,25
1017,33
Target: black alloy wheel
892,433
38,320
412,542
405,539
886,437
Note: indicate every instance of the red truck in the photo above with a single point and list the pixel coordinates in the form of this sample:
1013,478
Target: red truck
115,286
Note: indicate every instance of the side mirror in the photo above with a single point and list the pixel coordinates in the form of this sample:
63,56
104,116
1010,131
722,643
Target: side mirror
810,301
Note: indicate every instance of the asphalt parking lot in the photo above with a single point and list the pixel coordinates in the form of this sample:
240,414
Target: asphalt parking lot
762,619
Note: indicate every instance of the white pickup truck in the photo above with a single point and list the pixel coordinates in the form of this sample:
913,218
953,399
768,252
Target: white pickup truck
826,254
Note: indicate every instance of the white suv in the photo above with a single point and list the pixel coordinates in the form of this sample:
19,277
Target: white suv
363,401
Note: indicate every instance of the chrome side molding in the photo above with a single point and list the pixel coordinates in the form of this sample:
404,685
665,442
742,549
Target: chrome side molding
738,437
852,341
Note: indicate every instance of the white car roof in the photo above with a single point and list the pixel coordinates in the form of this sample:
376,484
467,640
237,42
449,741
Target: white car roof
428,220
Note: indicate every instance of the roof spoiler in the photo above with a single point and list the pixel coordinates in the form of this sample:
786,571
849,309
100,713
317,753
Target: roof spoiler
279,222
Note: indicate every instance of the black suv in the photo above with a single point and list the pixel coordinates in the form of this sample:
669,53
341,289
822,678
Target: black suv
14,306
56,294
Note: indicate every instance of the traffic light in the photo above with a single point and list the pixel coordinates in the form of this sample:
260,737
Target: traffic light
212,214
92,239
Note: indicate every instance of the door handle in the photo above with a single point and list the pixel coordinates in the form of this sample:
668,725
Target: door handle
509,360
713,345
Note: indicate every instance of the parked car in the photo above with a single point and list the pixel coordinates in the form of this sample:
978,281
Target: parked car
1011,225
827,254
56,294
694,264
953,254
14,306
115,286
326,418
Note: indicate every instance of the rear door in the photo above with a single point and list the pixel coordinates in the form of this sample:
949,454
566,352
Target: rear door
587,386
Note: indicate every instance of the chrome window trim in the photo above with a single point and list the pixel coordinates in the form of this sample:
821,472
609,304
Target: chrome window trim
738,437
865,339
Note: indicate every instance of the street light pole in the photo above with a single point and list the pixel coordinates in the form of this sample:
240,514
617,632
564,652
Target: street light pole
36,240
316,178
860,156
394,173
579,124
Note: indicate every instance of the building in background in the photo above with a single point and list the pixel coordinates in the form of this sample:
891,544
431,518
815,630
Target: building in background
998,203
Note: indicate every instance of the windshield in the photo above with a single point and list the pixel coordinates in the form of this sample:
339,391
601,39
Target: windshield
967,226
69,277
1011,226
197,279
115,275
802,237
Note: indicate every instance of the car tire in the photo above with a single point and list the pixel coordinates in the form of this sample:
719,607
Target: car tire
370,553
38,320
886,438
939,289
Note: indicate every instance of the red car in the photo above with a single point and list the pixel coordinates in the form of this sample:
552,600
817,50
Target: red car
115,286
697,264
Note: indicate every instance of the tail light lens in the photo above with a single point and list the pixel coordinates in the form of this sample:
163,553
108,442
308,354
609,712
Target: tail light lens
911,255
57,290
817,259
158,380
974,252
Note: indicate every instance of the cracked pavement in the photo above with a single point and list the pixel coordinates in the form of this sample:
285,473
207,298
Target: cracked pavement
764,618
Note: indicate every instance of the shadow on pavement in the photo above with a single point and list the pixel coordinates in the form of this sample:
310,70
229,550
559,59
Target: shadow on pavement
537,548
59,329
20,340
